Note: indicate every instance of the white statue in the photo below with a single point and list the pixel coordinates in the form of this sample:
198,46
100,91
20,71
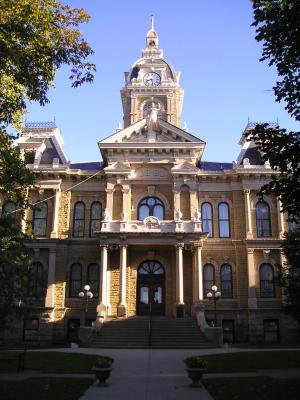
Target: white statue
106,215
152,117
178,215
197,215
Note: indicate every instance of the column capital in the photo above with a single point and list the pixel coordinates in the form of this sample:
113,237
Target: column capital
247,191
179,245
104,246
197,244
123,245
250,251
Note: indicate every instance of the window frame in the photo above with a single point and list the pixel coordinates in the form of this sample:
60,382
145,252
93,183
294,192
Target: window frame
38,278
222,281
143,202
94,219
75,219
5,213
206,290
34,219
93,282
224,220
267,282
259,221
212,218
72,287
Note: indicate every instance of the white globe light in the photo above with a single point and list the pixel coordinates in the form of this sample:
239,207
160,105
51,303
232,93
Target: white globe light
214,288
81,294
209,295
218,294
87,287
90,295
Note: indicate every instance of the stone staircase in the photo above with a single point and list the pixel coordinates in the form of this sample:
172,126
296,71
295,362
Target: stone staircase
167,333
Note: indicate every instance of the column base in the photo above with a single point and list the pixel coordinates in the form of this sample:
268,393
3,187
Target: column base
53,235
101,311
179,310
122,310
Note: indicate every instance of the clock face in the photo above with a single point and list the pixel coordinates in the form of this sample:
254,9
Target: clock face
151,79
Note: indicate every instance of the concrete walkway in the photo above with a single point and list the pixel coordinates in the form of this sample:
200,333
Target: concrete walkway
151,374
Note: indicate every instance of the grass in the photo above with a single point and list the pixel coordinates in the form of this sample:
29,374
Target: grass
252,361
44,388
52,362
258,388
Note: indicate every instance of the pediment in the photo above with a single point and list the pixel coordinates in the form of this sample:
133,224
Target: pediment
184,168
140,132
118,168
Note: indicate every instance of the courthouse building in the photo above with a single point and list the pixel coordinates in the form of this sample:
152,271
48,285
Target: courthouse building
151,222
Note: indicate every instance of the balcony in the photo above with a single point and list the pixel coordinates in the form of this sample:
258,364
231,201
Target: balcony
151,225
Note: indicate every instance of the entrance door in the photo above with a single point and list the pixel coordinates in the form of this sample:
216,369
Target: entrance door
151,289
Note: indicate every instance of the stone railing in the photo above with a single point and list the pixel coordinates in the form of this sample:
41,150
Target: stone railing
153,225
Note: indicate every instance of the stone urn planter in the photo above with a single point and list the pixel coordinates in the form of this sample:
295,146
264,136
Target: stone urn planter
102,369
195,367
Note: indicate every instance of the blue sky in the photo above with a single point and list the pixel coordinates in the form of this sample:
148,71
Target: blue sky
210,42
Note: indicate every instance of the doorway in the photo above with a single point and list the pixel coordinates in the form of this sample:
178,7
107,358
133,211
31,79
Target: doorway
151,288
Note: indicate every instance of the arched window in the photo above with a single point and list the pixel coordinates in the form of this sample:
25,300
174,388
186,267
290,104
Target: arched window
266,280
208,278
185,202
224,221
93,278
263,221
8,208
207,218
151,206
78,219
36,280
39,221
95,218
151,267
226,281
75,280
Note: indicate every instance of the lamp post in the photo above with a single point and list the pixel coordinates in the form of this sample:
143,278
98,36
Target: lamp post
214,296
87,295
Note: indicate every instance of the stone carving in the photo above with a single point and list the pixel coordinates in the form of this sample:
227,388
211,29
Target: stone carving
151,222
197,215
152,117
106,215
153,173
178,215
124,215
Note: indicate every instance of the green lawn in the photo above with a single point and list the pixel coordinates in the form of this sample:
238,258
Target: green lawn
258,388
52,362
252,361
44,388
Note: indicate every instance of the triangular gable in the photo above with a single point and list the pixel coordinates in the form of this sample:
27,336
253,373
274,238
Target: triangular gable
117,168
184,168
137,133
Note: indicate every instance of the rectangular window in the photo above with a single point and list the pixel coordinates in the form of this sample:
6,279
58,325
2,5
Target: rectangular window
271,330
31,329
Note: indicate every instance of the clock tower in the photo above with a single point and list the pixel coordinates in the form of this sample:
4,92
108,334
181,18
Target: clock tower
152,80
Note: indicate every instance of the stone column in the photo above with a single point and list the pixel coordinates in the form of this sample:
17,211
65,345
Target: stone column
102,305
280,219
49,300
198,272
126,204
249,232
252,300
122,307
54,232
179,280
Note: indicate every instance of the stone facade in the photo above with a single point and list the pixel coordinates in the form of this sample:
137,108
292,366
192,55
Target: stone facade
95,216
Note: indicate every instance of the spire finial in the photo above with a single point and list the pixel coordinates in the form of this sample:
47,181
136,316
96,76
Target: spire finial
152,23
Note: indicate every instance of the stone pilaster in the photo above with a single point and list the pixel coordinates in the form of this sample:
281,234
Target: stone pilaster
50,299
179,279
54,231
122,306
252,299
102,305
249,232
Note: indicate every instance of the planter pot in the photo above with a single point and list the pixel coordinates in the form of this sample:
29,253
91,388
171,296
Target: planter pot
195,374
102,374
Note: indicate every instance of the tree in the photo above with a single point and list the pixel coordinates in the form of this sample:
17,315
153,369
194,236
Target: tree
282,150
277,26
37,37
290,274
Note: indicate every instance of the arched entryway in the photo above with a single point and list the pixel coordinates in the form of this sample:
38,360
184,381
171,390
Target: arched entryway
151,288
